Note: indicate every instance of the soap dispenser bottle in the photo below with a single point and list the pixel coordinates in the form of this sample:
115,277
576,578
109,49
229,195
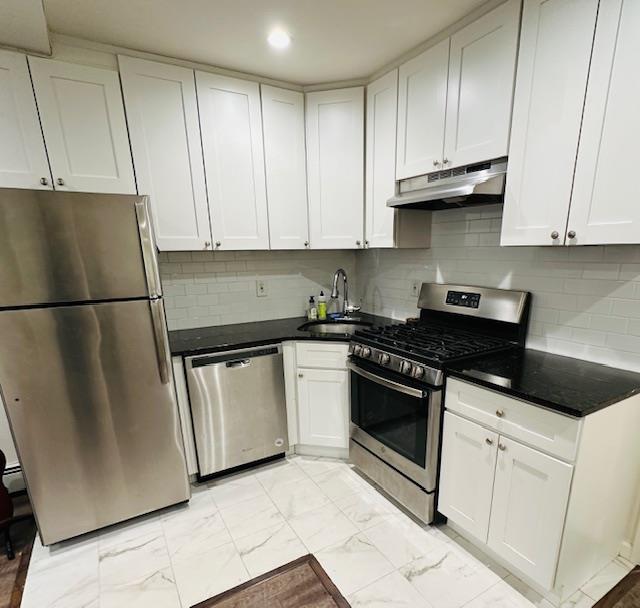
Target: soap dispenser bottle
322,306
312,311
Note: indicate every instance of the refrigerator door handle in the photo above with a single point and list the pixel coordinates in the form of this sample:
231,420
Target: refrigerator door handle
161,339
148,245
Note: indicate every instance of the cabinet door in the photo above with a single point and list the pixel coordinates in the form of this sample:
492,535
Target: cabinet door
482,66
604,206
422,98
162,113
335,166
23,158
285,166
323,407
553,64
382,113
231,124
530,498
466,474
84,126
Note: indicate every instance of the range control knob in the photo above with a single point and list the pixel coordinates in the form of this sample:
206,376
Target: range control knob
384,359
366,352
406,367
357,349
418,371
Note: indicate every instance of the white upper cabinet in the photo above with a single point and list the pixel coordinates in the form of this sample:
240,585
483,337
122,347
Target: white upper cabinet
605,206
23,158
285,166
382,111
530,497
162,113
335,167
482,63
553,66
422,98
231,126
84,127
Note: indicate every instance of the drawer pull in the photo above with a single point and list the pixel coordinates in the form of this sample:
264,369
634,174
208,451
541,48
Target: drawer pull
499,413
488,441
502,447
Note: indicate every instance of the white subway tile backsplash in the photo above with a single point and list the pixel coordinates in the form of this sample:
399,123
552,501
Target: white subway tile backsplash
204,288
586,300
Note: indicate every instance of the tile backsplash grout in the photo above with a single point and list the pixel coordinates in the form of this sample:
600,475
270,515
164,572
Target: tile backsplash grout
586,300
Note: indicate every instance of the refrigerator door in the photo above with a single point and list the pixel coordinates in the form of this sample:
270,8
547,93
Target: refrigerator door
93,413
73,247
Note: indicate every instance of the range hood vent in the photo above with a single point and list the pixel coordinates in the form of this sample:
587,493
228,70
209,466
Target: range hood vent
477,184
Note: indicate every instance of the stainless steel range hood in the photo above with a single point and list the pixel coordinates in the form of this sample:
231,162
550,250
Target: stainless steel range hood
477,184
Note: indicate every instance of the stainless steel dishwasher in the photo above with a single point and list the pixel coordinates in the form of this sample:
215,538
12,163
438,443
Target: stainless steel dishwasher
238,407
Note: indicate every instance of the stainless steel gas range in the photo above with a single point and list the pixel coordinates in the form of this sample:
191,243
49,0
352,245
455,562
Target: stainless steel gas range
397,377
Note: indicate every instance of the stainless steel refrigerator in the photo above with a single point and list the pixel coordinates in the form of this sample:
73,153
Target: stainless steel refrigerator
85,367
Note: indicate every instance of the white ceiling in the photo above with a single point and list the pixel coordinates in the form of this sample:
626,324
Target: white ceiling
332,39
23,25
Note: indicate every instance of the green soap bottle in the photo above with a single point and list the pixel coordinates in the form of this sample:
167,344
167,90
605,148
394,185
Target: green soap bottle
322,306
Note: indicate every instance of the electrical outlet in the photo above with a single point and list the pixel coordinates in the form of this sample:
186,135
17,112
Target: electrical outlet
415,288
261,289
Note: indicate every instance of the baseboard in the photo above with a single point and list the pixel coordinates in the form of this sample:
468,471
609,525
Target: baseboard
321,451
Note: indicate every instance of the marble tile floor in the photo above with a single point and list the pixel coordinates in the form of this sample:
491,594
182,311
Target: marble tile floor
239,527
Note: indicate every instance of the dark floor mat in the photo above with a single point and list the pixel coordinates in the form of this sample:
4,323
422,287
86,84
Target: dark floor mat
626,594
301,583
13,573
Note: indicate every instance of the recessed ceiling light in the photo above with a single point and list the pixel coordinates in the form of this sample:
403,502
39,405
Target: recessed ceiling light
279,39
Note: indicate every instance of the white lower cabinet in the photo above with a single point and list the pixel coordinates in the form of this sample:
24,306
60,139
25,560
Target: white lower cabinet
530,496
323,403
466,472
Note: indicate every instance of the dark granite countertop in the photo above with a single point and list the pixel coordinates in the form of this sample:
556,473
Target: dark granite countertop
239,335
563,384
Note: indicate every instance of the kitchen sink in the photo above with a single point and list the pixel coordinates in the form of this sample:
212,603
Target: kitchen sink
335,326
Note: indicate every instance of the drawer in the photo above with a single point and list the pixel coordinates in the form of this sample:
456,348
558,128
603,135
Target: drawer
331,355
550,432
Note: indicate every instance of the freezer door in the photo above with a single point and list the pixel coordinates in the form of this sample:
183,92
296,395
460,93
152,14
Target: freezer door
58,247
92,412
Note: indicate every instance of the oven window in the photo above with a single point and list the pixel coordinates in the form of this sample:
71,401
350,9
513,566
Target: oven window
397,420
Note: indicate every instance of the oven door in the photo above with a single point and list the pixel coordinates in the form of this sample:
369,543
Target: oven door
398,421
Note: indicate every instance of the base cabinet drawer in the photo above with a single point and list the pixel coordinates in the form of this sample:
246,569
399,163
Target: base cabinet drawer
323,407
542,429
530,497
330,355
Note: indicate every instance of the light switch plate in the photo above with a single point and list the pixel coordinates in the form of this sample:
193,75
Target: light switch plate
415,288
261,289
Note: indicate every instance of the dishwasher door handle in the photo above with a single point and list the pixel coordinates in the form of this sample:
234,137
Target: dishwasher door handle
238,363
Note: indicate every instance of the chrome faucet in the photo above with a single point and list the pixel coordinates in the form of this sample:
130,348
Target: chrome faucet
347,309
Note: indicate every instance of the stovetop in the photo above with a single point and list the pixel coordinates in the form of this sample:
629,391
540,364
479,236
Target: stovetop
431,343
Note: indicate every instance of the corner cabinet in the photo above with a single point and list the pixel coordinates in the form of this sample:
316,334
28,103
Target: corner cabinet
231,127
162,112
335,167
23,157
575,123
285,166
526,484
83,122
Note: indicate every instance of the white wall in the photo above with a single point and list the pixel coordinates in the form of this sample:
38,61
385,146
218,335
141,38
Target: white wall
586,300
218,288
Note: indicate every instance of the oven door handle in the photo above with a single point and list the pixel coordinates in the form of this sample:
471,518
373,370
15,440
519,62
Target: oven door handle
395,386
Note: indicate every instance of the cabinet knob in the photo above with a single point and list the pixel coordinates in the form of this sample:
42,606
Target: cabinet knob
207,244
571,234
44,181
60,181
499,413
555,234
300,375
445,161
358,243
502,447
366,243
218,243
306,243
436,163
488,441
